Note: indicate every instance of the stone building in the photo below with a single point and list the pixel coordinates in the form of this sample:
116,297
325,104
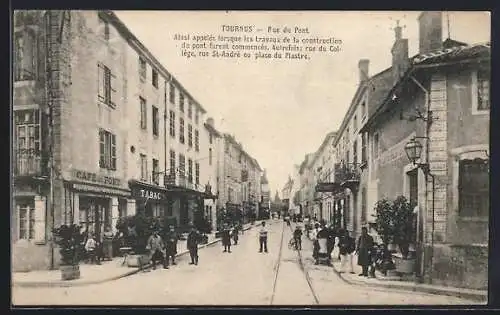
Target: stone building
441,101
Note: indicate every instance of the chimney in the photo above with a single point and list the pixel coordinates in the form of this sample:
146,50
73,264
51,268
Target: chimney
399,51
363,65
430,31
210,122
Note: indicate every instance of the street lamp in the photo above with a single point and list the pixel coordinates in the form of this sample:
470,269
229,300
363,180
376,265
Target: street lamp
413,150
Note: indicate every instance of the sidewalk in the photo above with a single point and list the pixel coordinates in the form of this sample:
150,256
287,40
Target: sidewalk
396,283
92,274
381,281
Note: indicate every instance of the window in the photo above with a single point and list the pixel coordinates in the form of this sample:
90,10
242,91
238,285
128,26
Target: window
154,77
375,146
182,165
156,121
105,79
142,69
190,110
190,170
229,194
144,167
210,138
104,28
363,148
196,116
363,109
355,123
355,152
172,123
26,211
25,56
107,150
473,188
156,172
144,113
27,142
181,130
172,93
196,140
190,135
172,162
197,173
210,156
483,90
181,102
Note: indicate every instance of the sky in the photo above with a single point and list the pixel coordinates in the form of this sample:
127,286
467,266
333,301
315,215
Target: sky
280,110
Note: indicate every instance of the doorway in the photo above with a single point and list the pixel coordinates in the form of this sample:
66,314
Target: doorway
94,215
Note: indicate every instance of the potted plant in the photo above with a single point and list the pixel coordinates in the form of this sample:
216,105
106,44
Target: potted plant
384,225
137,230
69,239
404,234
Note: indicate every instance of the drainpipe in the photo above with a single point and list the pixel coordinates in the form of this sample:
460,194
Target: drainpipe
428,174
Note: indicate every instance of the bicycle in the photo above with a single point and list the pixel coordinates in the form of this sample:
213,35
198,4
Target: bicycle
292,244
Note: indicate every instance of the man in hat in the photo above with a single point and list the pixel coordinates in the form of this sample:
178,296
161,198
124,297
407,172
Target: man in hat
226,238
193,239
156,248
171,238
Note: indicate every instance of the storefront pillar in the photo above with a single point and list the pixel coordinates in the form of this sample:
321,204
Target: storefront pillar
76,208
131,210
115,213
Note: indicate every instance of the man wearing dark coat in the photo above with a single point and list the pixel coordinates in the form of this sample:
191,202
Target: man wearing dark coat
363,249
171,238
193,240
226,238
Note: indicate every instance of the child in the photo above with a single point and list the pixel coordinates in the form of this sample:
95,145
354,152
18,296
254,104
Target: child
235,235
91,248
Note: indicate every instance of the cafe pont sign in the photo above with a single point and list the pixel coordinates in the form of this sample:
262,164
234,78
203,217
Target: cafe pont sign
90,177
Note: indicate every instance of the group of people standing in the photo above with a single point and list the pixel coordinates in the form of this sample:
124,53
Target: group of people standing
98,248
164,249
230,233
326,238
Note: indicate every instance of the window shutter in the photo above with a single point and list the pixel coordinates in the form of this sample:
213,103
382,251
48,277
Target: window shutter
40,208
102,148
113,152
100,82
112,82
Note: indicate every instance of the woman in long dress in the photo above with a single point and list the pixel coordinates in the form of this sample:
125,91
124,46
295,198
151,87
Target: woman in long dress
108,243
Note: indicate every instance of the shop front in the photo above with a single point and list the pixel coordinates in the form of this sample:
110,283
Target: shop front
95,202
186,206
149,199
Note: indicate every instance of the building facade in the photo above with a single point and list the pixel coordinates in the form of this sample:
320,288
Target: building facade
443,100
101,131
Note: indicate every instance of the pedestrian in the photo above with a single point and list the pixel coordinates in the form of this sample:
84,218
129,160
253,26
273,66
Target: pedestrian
263,237
322,248
363,250
235,235
193,239
226,239
171,238
346,249
297,236
91,248
156,247
108,243
330,241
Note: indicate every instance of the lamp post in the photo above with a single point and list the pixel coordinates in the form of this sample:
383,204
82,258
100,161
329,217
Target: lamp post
413,150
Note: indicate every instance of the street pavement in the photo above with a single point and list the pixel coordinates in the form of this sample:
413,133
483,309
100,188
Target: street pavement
242,277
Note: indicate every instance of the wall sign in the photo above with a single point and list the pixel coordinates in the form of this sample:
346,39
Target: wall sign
95,178
144,193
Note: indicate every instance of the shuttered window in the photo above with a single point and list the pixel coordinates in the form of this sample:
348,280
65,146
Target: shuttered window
107,150
474,188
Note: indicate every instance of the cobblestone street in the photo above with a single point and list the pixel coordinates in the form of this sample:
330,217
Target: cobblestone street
242,277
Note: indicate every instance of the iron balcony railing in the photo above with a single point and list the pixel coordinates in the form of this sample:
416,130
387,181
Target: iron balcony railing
347,172
29,162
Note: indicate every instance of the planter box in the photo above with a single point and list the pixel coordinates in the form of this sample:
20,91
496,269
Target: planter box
133,260
406,266
70,272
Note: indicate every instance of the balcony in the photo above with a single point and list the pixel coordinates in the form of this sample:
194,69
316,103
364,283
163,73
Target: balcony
348,175
29,163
